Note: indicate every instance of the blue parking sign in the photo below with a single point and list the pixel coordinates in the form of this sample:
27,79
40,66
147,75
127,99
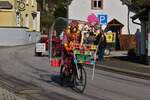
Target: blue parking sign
102,19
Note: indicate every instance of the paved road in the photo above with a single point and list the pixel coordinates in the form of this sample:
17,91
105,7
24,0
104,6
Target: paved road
25,73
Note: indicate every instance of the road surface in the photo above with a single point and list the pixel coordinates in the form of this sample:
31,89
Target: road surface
25,73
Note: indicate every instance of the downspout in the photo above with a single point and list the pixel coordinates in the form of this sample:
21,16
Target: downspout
128,21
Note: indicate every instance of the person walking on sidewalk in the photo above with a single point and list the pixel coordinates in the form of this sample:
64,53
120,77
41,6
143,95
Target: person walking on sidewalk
101,41
138,42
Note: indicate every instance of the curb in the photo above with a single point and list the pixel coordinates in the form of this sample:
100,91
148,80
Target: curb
124,70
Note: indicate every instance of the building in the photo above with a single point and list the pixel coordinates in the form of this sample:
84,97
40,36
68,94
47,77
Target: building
111,14
142,12
113,9
19,22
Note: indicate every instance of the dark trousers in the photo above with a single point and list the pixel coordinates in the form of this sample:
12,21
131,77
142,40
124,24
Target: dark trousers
101,54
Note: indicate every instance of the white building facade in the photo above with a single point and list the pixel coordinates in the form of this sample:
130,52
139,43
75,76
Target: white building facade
81,9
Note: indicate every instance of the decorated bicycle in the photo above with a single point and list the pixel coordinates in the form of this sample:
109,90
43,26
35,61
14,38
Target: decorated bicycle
72,47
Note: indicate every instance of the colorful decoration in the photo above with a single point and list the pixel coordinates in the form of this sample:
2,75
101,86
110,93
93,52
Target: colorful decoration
86,54
55,62
74,23
72,41
92,19
76,38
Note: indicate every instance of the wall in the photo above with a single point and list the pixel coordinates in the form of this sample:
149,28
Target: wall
7,18
80,9
17,36
29,9
127,42
10,34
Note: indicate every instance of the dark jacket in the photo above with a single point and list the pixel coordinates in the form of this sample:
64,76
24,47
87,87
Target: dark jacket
96,42
101,41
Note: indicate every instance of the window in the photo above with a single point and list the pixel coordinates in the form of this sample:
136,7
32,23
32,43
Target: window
27,20
97,4
32,2
34,24
18,19
5,5
27,2
34,15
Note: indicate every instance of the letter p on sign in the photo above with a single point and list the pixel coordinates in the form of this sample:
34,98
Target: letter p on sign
102,19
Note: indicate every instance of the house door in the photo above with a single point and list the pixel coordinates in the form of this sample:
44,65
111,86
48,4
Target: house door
116,27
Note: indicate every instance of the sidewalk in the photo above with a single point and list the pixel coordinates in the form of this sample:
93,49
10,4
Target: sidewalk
120,62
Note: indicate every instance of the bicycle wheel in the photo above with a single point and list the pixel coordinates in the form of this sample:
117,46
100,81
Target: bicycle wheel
80,82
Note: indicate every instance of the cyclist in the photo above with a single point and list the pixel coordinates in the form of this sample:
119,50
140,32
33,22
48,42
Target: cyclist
71,36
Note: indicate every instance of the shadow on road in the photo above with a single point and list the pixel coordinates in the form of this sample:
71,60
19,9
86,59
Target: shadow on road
50,78
56,80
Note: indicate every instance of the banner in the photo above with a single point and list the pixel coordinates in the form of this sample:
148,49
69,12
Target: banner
111,37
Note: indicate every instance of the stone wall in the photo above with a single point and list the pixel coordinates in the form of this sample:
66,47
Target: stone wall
11,36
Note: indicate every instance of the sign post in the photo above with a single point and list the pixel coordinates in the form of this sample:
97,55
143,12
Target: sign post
149,36
149,39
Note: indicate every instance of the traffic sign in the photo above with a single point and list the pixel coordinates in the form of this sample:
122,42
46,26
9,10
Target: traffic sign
102,19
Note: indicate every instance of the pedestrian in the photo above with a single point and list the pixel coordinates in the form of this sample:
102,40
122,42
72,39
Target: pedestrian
102,43
138,42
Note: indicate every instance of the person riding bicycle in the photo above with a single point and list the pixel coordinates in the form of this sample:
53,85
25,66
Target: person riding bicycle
72,36
72,72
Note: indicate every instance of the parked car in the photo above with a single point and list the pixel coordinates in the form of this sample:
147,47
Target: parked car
42,45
